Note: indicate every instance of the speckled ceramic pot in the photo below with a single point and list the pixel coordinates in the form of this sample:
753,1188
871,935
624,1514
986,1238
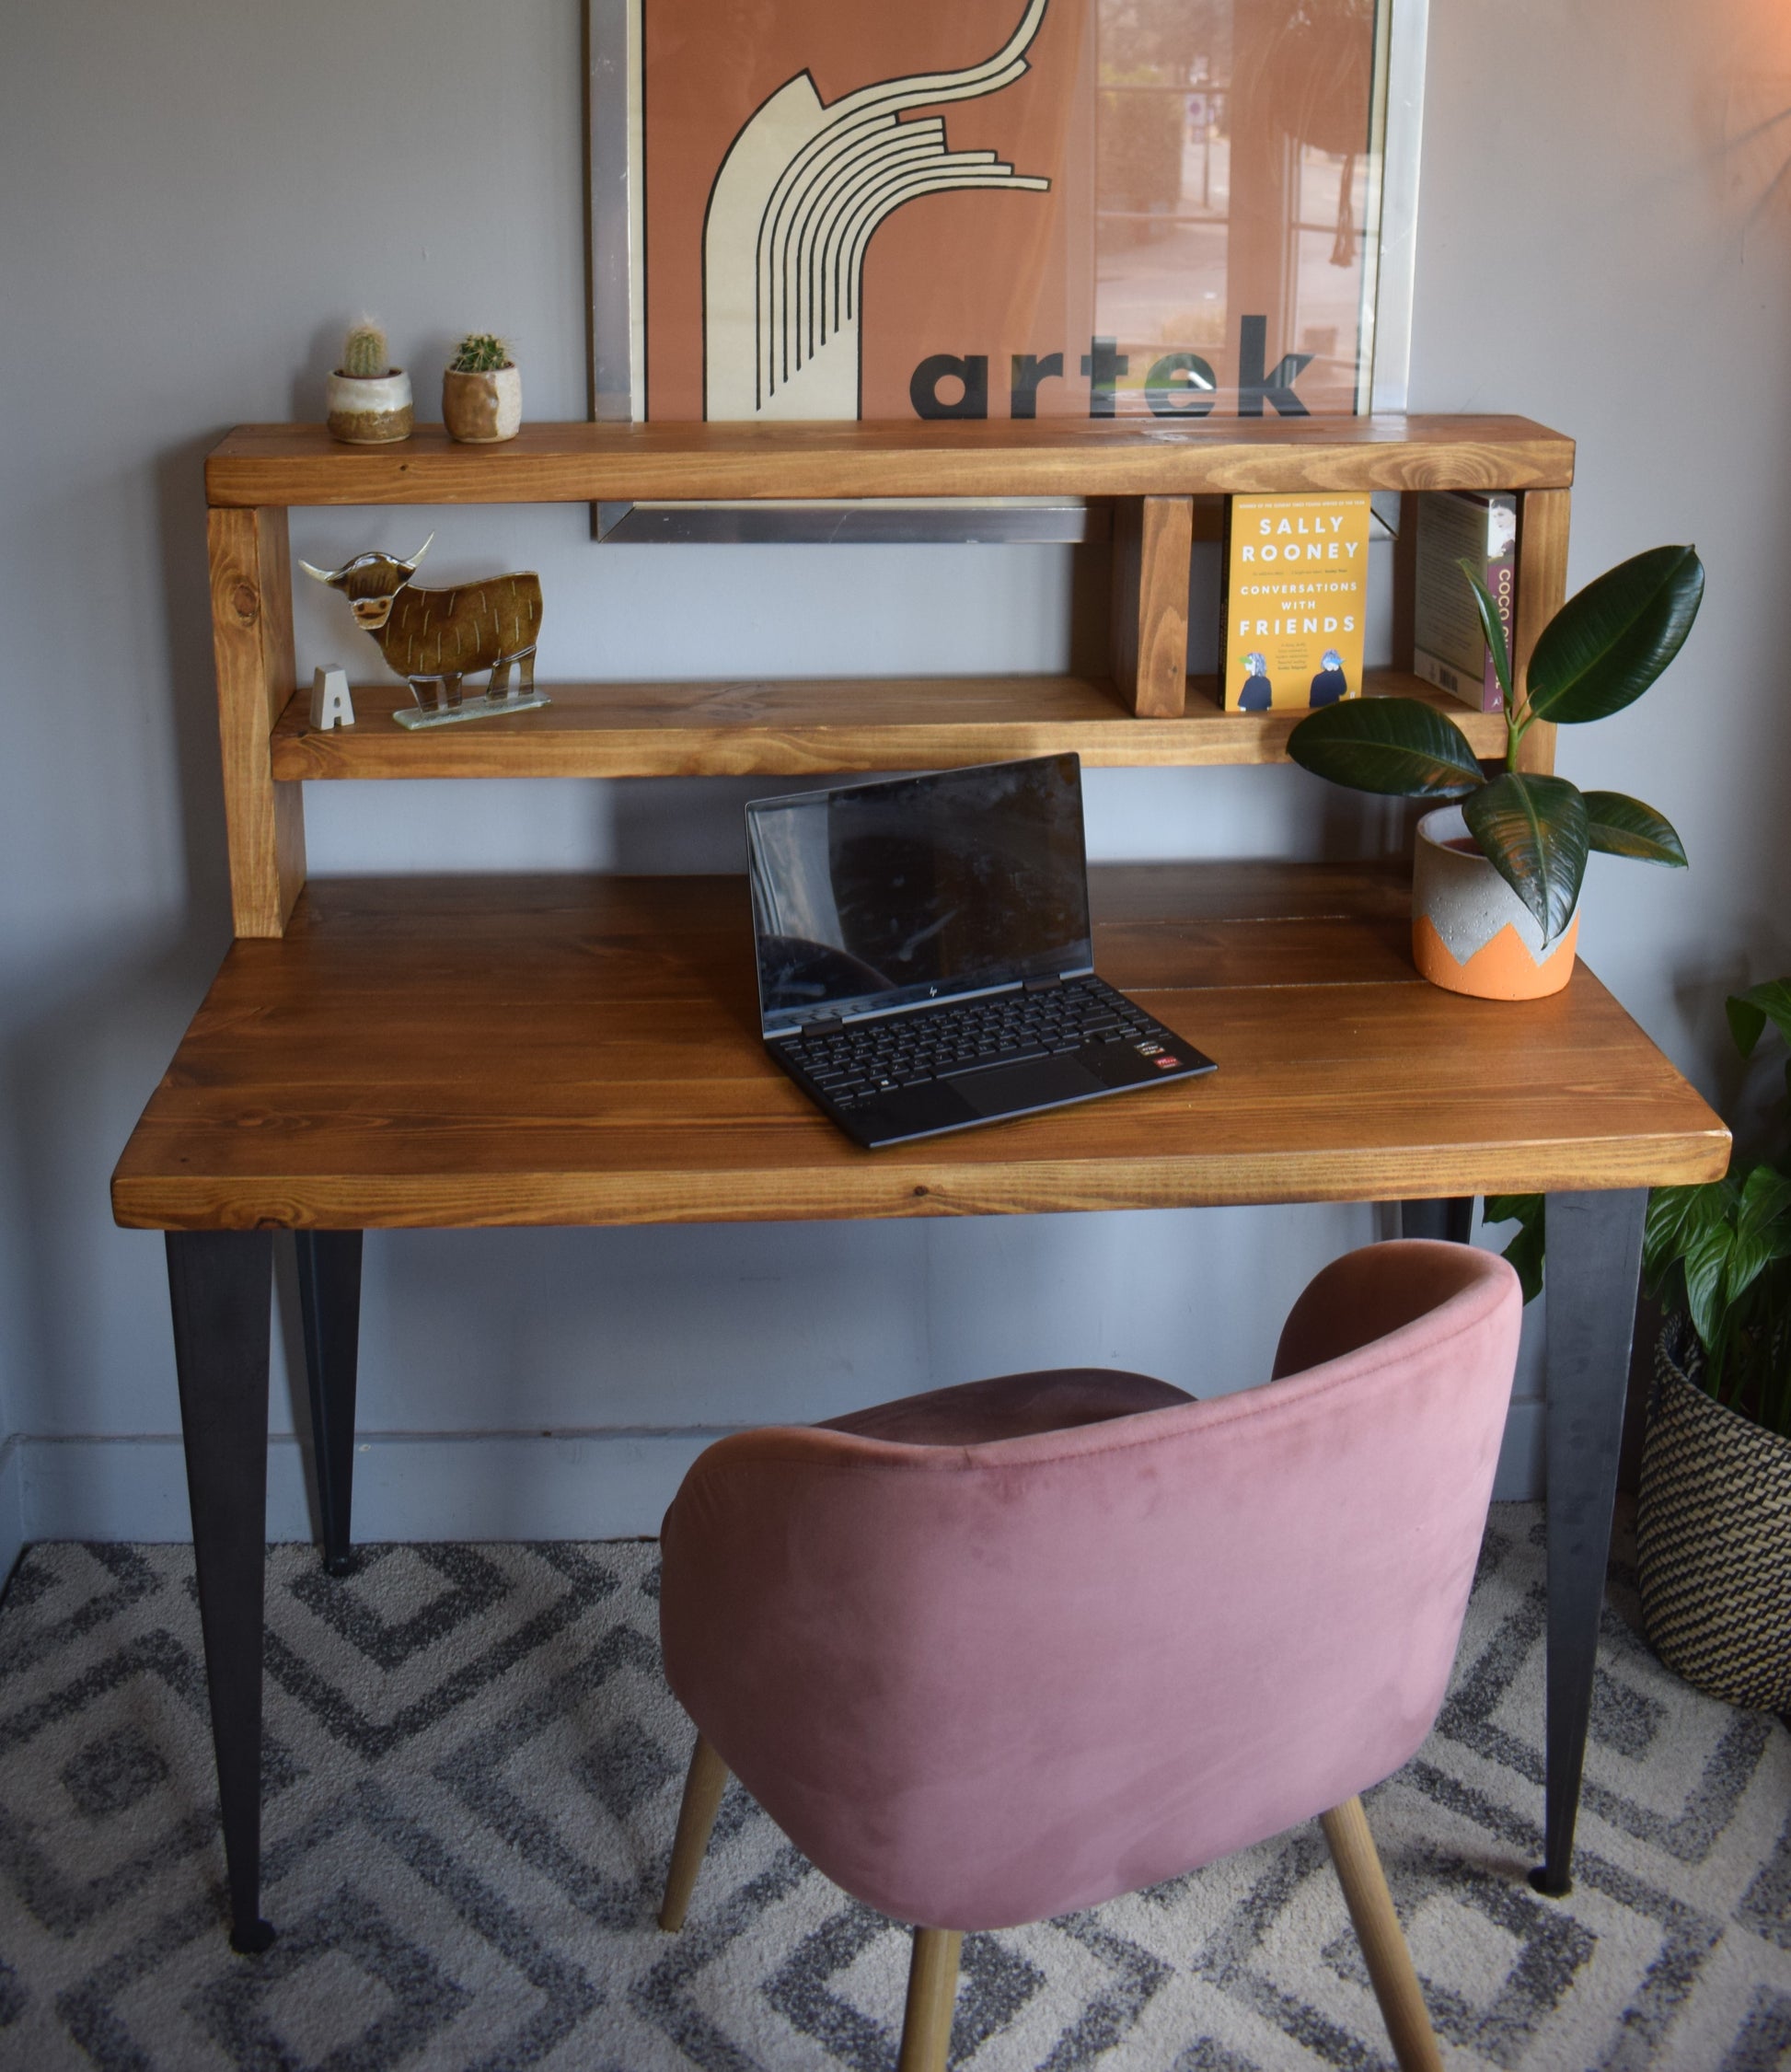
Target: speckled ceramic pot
1471,933
370,409
480,408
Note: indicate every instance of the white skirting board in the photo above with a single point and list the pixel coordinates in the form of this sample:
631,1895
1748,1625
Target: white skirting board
12,1505
1522,1478
408,1485
592,1485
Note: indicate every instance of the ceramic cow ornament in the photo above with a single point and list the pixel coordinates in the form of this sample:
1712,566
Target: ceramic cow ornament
434,638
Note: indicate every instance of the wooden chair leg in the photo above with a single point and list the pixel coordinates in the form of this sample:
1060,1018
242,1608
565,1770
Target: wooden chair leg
702,1794
1384,1943
932,1994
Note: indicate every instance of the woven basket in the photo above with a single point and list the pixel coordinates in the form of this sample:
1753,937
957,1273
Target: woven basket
1713,1536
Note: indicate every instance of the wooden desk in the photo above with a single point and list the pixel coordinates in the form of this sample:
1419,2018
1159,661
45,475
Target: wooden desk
501,1050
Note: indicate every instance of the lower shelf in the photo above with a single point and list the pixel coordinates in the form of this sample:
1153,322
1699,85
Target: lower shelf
808,727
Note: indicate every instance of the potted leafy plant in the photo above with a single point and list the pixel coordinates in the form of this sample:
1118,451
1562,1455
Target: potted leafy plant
1713,1519
369,403
1497,879
482,392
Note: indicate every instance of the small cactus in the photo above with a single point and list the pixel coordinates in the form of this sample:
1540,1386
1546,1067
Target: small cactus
480,353
365,354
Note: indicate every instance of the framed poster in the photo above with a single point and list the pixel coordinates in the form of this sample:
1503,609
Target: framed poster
1171,209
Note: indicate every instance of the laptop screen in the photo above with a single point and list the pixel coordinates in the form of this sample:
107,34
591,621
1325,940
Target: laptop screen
875,895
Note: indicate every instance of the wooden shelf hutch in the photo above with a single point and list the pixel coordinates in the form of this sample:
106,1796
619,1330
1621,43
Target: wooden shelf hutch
1165,484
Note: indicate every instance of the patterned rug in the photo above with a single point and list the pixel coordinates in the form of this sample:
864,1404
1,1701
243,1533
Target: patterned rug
472,1774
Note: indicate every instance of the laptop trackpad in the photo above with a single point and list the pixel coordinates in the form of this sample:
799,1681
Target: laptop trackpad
1041,1083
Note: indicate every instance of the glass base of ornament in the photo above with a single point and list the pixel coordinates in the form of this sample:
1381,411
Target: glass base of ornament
472,709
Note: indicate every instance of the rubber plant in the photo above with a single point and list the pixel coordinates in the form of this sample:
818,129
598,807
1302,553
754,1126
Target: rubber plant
1722,1251
1600,652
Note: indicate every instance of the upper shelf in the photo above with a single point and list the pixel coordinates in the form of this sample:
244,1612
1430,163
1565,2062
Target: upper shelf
300,464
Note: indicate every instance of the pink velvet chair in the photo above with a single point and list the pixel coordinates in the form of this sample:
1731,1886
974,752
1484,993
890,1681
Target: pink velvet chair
1001,1652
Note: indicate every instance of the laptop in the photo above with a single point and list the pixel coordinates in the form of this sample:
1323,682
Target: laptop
925,960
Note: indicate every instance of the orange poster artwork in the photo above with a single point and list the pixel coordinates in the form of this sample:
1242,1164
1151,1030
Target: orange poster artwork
1000,208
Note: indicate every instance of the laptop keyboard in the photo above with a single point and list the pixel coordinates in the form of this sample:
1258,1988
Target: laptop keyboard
868,1059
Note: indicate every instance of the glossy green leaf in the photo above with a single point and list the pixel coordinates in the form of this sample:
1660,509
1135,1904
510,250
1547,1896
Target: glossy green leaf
1765,1200
1762,1230
1525,1254
1676,1218
1749,1013
1625,826
1527,1249
1675,1215
1747,1018
1491,628
1534,830
1707,1270
1606,645
1396,746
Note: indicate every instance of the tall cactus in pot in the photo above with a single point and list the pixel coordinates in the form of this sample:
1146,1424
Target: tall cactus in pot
370,401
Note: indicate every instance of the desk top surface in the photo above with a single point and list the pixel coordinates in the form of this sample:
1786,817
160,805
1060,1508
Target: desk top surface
459,1052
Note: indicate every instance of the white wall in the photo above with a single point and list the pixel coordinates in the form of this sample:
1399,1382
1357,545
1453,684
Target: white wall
194,197
1605,243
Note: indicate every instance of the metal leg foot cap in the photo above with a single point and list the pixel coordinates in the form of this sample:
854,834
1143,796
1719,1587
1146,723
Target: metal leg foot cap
251,1942
1548,1885
340,1563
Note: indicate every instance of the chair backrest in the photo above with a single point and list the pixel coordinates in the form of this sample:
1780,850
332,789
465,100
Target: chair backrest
984,1684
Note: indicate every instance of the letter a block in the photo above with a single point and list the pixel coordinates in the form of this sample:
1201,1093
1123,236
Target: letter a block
331,702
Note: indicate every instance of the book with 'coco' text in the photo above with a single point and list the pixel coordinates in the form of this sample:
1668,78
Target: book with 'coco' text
1448,649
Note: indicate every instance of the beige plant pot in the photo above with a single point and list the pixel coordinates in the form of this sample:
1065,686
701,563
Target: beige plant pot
370,411
480,408
1471,933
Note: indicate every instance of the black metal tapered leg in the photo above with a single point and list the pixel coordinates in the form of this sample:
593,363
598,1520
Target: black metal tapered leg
219,1288
1594,1263
1450,1219
329,1302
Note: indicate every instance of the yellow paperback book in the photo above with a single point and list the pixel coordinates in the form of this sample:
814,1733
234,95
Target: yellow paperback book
1296,580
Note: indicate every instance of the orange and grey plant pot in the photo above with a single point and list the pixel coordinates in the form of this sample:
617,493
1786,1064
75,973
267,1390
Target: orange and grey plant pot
1471,933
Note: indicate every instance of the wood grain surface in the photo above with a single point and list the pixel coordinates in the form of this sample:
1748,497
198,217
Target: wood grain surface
809,727
493,1050
1545,517
267,464
1152,541
252,645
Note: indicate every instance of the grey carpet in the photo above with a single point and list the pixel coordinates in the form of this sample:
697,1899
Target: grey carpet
472,1774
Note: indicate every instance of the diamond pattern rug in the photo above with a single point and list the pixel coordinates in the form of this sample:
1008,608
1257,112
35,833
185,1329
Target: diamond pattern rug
472,1774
